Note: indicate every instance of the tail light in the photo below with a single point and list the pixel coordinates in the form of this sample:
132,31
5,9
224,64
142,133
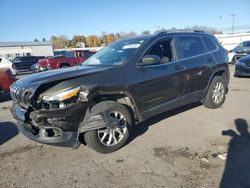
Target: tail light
13,66
9,73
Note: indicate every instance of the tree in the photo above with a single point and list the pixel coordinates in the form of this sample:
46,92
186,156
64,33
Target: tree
76,40
36,40
111,38
93,41
59,41
44,40
145,33
107,38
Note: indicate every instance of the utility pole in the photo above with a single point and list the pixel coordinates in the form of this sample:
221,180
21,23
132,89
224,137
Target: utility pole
233,15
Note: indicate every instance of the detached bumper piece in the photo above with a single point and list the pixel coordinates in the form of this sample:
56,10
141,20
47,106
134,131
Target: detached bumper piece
51,135
97,121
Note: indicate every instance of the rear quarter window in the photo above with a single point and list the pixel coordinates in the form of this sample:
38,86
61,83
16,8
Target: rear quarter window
191,46
211,46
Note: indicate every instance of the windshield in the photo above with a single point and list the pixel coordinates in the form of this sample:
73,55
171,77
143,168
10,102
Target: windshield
116,53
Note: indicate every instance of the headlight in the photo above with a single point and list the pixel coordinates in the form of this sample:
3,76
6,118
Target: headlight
240,63
63,95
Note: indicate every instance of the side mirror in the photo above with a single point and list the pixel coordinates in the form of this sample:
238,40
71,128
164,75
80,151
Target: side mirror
150,60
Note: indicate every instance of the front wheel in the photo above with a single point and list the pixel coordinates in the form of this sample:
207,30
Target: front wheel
110,139
216,94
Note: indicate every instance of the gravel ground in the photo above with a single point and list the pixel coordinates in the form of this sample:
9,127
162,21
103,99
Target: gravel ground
188,147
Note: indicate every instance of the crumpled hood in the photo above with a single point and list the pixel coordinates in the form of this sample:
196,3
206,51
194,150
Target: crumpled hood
35,80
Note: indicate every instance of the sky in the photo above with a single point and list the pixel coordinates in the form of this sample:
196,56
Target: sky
26,20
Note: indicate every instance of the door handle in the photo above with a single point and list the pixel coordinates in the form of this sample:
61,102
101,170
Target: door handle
179,67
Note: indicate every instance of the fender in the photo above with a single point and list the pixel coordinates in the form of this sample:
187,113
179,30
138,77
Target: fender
123,97
223,69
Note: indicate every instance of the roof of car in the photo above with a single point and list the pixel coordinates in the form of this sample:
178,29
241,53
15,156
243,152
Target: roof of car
10,44
164,33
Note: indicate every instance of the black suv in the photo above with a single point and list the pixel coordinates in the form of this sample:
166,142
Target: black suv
25,62
122,85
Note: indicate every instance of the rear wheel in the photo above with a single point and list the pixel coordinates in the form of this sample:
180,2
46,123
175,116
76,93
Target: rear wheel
64,66
110,139
216,94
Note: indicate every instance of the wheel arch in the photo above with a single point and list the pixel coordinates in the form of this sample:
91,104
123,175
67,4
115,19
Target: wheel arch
64,63
222,71
122,97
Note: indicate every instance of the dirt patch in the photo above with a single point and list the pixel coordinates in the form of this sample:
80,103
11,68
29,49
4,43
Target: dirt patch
196,167
19,151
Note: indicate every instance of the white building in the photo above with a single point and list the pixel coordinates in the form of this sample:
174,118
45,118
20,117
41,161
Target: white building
11,50
229,41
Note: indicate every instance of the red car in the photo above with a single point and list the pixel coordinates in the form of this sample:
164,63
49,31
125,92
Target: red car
71,58
6,79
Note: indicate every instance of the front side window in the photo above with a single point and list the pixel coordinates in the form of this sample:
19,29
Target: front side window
162,49
191,46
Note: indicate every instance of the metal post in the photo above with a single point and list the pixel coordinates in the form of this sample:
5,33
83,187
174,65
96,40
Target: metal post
233,15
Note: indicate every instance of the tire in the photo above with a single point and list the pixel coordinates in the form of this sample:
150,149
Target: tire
64,66
218,87
233,62
93,138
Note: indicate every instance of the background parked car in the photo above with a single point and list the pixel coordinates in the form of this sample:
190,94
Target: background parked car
6,79
72,58
25,63
34,67
239,51
5,63
242,67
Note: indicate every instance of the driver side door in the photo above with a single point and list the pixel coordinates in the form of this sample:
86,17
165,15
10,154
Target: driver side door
160,84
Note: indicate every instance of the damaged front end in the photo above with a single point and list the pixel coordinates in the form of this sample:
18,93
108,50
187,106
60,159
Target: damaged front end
50,118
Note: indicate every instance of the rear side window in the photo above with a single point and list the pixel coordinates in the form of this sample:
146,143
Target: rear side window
191,46
211,46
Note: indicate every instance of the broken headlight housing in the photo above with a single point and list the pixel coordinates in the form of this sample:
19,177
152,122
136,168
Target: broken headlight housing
65,98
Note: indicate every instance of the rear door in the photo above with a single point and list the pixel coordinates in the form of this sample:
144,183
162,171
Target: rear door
198,62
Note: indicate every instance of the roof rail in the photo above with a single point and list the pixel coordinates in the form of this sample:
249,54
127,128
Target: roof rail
199,31
161,32
179,31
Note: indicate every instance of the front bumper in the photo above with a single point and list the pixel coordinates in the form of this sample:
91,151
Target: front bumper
241,70
62,133
46,136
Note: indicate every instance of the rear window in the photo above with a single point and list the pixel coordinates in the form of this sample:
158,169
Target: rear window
70,54
210,44
191,46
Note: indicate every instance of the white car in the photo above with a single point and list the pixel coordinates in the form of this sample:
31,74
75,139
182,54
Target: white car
5,63
231,56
